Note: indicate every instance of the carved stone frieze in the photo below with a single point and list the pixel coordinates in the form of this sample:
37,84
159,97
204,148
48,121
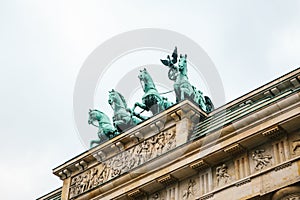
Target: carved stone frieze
261,159
222,174
123,162
295,145
189,191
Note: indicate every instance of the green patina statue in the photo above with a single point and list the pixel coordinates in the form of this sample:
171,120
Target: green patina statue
151,100
123,118
106,129
182,87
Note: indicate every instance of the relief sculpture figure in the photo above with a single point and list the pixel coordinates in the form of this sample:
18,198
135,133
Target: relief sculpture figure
222,174
295,145
260,159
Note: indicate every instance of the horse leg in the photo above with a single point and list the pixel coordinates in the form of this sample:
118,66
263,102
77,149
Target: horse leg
94,142
115,133
185,93
117,124
182,96
141,105
177,93
123,124
139,116
161,105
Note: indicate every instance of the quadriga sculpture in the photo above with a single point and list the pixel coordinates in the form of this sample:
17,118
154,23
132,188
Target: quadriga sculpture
182,87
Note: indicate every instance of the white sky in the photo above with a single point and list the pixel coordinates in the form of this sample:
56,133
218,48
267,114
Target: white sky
44,43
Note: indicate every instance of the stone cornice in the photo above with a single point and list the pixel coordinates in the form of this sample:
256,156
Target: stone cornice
286,82
245,116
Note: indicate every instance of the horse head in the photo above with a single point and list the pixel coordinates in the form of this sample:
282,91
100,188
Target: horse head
94,115
146,80
97,115
116,100
143,74
182,64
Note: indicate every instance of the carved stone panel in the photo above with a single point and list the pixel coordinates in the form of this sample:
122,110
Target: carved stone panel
123,162
189,189
261,159
295,143
295,146
222,175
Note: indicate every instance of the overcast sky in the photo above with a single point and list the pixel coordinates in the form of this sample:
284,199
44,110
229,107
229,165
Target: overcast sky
43,45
